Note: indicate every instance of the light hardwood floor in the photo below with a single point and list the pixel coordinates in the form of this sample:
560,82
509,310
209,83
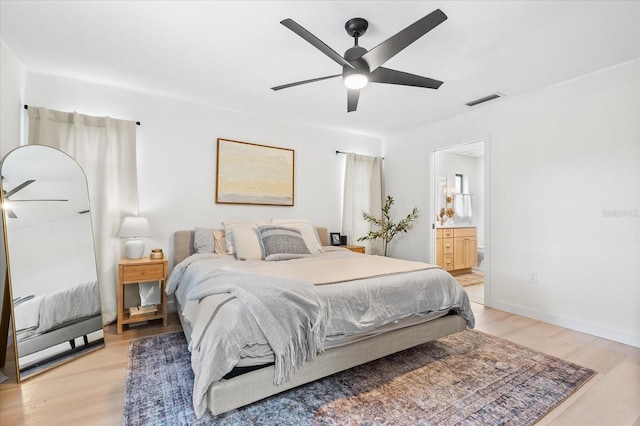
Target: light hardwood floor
90,390
476,293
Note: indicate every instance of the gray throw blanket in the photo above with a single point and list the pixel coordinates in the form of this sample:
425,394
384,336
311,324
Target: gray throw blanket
289,313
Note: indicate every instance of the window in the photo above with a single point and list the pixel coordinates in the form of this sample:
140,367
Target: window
459,183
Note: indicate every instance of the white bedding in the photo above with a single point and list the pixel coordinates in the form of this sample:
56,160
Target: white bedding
41,314
223,332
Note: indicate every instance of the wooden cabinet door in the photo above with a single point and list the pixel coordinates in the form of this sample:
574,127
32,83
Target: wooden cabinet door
471,252
439,260
465,252
459,253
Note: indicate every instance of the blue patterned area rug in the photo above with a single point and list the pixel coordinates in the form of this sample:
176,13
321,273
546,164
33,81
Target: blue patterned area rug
468,378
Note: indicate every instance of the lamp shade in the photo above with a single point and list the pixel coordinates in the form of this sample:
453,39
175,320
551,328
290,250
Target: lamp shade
134,227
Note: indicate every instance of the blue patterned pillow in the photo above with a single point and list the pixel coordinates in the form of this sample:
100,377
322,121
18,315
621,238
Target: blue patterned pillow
282,243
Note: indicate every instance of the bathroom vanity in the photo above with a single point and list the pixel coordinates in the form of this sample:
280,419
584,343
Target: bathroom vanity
457,249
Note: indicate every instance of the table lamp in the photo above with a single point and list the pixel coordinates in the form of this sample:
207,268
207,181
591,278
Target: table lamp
134,228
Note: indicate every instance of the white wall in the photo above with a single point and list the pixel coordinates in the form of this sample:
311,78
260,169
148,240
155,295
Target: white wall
561,161
177,155
11,94
12,81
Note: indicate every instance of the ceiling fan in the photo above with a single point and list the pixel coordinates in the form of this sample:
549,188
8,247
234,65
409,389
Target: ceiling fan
360,66
7,194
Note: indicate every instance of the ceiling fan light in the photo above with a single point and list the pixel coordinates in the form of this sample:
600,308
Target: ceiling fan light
356,81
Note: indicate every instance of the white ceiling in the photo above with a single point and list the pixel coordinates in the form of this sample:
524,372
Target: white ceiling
228,54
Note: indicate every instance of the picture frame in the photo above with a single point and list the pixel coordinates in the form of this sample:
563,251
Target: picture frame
248,173
335,238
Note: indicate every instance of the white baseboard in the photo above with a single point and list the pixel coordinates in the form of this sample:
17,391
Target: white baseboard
616,335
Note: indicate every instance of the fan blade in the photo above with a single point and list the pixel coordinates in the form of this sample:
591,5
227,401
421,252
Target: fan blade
22,201
18,188
394,44
352,99
315,42
284,86
389,76
11,214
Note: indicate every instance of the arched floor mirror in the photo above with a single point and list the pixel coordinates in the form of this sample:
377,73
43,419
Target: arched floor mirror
51,311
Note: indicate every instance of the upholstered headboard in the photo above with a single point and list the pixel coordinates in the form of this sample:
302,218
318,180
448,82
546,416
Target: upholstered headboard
183,243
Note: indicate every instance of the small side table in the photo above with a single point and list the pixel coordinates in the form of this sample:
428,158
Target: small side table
134,271
355,249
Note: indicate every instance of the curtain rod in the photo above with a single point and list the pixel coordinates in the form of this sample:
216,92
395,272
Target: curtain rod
342,152
27,107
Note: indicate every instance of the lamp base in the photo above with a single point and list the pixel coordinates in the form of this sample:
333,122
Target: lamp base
134,248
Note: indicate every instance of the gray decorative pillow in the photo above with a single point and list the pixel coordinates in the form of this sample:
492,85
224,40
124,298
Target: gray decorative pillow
203,241
279,241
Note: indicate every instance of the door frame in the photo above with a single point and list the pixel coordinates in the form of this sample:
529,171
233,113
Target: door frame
486,138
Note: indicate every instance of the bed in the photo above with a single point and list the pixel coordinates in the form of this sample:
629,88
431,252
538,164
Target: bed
250,373
48,320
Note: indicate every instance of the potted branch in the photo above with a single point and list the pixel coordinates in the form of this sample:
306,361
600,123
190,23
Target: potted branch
388,229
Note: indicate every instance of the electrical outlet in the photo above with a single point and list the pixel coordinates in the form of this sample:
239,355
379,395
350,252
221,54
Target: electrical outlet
533,278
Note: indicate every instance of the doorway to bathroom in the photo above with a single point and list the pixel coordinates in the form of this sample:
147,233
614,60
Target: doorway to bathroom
460,215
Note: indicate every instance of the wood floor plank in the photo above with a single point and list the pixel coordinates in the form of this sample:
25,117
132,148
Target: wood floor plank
613,400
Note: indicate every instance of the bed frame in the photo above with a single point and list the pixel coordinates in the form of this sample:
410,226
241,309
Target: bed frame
225,395
68,333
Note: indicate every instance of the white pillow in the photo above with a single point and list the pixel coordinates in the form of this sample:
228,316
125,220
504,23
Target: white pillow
228,233
307,230
243,240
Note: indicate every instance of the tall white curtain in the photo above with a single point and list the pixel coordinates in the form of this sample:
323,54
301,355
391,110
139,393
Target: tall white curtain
105,148
362,193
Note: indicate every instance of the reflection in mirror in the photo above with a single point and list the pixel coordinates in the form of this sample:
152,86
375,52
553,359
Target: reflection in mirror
440,201
56,314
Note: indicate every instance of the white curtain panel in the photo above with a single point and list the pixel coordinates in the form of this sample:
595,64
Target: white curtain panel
105,148
362,193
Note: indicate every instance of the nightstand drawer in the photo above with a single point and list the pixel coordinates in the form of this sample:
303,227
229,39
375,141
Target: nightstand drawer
355,249
143,272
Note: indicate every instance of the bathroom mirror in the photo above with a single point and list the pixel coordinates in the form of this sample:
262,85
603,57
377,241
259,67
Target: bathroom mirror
440,202
51,278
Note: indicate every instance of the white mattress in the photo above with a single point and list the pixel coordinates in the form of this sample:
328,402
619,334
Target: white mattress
331,341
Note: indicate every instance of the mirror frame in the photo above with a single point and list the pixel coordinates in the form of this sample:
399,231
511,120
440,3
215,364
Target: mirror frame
7,313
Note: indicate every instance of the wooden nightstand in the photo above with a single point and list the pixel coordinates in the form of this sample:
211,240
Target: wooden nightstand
355,249
134,271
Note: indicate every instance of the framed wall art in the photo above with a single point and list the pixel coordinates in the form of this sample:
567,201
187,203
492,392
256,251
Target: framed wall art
249,173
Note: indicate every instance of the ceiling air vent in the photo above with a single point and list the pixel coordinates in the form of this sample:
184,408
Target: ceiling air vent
485,99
